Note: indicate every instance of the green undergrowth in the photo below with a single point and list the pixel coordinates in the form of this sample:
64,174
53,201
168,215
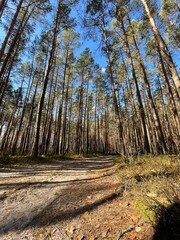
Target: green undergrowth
7,159
151,183
10,160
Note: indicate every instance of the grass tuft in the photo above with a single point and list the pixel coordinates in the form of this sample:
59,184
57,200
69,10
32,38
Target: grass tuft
153,181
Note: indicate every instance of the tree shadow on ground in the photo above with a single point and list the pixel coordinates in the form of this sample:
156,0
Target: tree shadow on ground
61,215
69,203
168,225
45,184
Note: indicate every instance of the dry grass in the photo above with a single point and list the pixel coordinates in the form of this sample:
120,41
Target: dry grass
151,182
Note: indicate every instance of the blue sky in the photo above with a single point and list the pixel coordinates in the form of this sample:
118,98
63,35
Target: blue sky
85,42
94,46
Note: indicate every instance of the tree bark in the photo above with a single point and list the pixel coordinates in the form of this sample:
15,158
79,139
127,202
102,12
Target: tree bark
163,47
140,104
156,114
120,125
13,22
45,83
2,6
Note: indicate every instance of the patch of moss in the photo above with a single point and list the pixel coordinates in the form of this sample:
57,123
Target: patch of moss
145,211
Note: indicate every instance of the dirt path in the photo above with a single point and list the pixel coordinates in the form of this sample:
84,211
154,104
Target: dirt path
71,199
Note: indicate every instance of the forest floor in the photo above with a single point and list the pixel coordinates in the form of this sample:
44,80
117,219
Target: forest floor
83,198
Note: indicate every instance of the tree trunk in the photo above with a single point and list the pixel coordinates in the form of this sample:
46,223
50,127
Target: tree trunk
64,134
79,123
170,93
13,22
45,83
15,41
120,125
163,47
156,114
7,133
2,6
16,137
141,108
59,121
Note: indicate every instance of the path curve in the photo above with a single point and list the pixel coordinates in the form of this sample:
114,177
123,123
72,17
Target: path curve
36,197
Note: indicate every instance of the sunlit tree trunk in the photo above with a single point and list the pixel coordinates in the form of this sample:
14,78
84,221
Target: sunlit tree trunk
13,22
140,104
15,39
17,134
64,125
120,125
163,47
45,83
60,112
79,121
5,141
147,84
2,6
170,92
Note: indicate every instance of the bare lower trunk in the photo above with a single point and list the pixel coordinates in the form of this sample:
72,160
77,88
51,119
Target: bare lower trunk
45,83
140,104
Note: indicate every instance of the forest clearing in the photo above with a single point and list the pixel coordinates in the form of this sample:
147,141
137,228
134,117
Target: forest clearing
90,198
89,119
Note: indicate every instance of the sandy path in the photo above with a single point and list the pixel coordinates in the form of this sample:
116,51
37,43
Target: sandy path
36,197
